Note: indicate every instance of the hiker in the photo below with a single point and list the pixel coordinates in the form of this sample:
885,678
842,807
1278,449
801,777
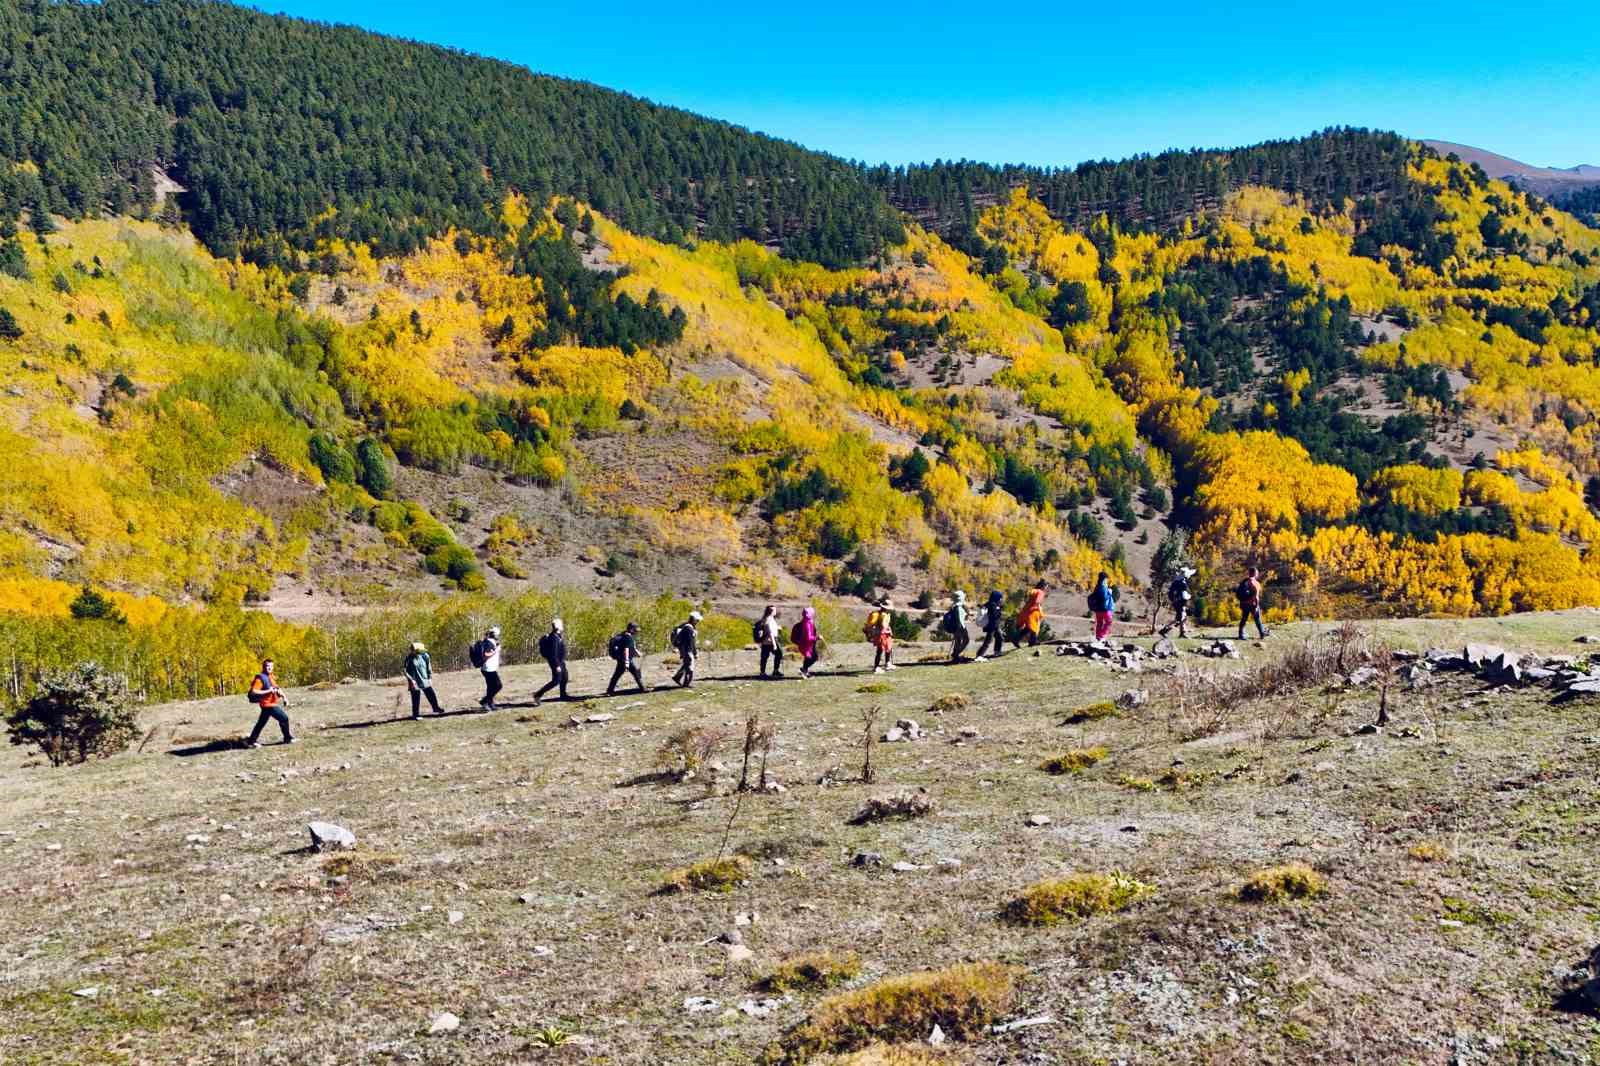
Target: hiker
419,679
769,637
1103,605
806,639
1031,618
955,623
879,632
686,638
1178,597
993,626
1249,593
265,694
624,648
485,655
553,650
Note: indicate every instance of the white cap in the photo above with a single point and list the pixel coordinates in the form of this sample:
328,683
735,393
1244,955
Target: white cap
557,624
494,631
695,616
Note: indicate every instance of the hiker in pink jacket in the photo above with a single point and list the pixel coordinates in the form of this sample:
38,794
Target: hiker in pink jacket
805,638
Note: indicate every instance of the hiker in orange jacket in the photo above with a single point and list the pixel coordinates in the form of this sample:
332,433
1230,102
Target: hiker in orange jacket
1031,618
879,632
265,694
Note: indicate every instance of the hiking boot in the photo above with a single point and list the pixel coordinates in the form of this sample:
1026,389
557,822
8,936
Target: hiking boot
777,675
251,744
980,658
877,669
290,740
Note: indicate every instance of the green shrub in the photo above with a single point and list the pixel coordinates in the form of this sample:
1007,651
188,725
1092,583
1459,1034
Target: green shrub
961,1000
1073,760
709,875
812,971
79,713
332,458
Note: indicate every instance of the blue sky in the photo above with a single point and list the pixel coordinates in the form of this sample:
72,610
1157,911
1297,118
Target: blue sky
1057,84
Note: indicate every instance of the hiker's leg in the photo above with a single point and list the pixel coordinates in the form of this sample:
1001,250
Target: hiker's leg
564,678
1260,629
433,700
261,723
616,675
777,660
493,679
283,722
416,702
638,678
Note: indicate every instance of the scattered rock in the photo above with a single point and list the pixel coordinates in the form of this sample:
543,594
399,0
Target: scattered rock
1363,675
1589,638
743,919
731,936
444,1022
739,953
1129,828
597,719
197,839
1164,648
905,867
1221,649
1367,730
1038,820
1023,1023
904,729
894,735
950,863
1134,697
526,898
864,859
454,917
700,1004
936,1038
759,1008
87,993
968,732
326,835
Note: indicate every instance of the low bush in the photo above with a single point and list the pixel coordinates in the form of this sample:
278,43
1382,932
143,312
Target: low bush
901,805
1076,896
811,972
79,713
686,750
949,703
890,1055
1278,884
1069,762
709,875
1428,851
961,1000
361,865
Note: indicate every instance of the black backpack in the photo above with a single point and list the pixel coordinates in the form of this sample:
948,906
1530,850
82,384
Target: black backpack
1178,591
547,646
680,636
758,631
1097,599
617,647
478,653
951,623
1246,593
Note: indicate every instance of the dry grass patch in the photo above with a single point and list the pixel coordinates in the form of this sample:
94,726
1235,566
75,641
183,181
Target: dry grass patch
708,875
1074,897
1094,712
890,1055
811,972
1279,884
949,703
361,865
1137,784
962,1001
874,688
687,750
1073,760
901,805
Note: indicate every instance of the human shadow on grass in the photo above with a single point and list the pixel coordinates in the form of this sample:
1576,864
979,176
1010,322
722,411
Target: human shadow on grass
210,747
464,712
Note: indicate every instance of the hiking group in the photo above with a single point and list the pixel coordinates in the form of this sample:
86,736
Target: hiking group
771,639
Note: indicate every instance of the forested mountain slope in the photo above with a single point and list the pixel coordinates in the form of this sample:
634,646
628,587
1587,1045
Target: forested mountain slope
282,131
370,361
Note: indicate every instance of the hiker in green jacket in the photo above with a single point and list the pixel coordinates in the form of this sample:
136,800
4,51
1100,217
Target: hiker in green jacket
419,679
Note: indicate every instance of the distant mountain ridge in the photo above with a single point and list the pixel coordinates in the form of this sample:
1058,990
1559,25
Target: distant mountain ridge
1546,181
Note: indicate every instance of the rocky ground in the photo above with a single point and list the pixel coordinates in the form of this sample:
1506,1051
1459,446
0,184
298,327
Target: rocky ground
501,902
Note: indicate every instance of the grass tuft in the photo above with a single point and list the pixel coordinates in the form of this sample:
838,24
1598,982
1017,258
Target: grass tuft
1073,760
961,1000
949,703
1428,851
1094,712
811,972
709,875
1077,896
1137,784
361,865
874,688
1278,884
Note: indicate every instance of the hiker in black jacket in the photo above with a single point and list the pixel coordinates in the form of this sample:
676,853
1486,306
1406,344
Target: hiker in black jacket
994,624
686,638
553,650
624,648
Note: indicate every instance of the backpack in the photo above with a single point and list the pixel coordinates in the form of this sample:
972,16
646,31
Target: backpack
952,623
618,646
758,631
478,653
547,646
1097,600
797,634
874,627
1178,591
1246,593
680,636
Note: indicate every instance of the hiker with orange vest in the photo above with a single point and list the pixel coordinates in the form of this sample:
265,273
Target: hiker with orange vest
1031,618
879,632
265,694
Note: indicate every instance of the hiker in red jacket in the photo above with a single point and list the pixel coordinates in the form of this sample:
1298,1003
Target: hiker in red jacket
806,638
